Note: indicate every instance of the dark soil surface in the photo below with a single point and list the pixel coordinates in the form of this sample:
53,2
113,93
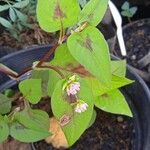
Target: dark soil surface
137,38
109,132
27,37
137,41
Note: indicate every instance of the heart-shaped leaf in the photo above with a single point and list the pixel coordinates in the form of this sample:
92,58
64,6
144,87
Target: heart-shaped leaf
90,49
55,14
4,130
33,119
93,12
62,109
31,90
5,104
24,134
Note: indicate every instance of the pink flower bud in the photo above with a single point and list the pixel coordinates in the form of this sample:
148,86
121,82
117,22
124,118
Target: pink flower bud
73,88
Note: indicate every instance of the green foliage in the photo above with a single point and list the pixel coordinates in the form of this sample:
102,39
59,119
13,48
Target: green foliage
128,11
113,102
54,78
78,123
118,68
93,12
9,92
63,58
90,49
59,15
4,129
24,134
32,119
42,74
5,104
31,90
5,23
93,118
18,16
98,88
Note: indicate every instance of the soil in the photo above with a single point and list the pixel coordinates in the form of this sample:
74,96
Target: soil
137,41
109,132
27,37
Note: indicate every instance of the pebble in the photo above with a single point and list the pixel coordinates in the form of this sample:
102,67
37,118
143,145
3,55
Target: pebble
120,119
133,57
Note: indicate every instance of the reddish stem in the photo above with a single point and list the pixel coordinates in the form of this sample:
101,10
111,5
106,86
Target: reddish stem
53,68
47,55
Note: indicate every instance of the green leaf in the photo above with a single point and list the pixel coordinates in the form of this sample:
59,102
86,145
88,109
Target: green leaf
99,89
42,74
59,105
118,68
21,16
126,14
90,49
93,118
78,123
54,78
4,7
4,130
93,12
125,6
33,119
12,14
113,102
9,93
23,134
5,23
21,4
5,104
58,13
31,90
133,10
63,58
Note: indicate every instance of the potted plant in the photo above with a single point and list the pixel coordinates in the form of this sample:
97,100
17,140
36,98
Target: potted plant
80,76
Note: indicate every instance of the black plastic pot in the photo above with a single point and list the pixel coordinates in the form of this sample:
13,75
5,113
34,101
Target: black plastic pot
138,94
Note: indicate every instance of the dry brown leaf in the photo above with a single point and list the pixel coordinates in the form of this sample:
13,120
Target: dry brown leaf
58,139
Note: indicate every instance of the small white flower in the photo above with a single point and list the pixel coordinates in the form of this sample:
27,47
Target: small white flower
81,107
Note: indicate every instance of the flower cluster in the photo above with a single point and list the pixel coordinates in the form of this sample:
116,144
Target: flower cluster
72,87
81,106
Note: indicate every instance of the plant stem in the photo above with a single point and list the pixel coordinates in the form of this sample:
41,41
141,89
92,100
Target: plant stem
129,19
53,68
48,54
